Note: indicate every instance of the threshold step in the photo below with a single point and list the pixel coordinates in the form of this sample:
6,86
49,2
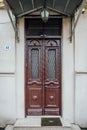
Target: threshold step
35,123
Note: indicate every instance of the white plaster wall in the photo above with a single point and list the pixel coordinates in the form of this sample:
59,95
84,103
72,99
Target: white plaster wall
7,99
20,98
67,74
7,38
81,67
7,71
11,71
81,100
81,44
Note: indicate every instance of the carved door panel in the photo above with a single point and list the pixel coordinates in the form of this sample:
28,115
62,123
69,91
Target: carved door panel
34,84
43,81
52,83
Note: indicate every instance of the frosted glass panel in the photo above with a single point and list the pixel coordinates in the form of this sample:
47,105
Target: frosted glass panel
51,64
35,63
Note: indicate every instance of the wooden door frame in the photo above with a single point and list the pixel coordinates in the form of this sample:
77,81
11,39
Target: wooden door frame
25,64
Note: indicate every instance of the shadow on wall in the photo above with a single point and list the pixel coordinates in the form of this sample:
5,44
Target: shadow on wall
2,128
83,128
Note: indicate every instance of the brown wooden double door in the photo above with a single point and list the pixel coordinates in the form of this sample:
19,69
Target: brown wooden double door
43,77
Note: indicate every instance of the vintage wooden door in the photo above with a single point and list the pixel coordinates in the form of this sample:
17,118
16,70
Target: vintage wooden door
43,77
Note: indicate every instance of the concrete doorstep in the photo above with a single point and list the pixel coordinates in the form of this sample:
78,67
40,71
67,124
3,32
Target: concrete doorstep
34,123
73,127
9,127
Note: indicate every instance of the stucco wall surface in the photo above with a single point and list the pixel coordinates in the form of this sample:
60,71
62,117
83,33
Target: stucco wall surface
7,70
67,74
74,84
81,71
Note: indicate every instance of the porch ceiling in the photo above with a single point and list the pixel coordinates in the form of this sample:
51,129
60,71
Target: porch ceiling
23,7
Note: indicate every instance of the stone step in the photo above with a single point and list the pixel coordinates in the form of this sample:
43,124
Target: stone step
34,123
73,127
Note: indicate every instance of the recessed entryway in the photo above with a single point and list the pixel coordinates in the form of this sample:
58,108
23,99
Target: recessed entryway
43,67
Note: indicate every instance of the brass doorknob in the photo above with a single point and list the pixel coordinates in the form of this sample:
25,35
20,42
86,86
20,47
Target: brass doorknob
51,97
35,97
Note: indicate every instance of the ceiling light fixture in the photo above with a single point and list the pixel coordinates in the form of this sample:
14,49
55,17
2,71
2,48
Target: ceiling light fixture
2,3
45,13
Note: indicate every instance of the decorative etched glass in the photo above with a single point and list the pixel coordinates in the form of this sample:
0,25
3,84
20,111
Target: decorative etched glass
35,63
51,64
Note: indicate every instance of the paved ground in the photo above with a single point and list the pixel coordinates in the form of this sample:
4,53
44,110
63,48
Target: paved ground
81,129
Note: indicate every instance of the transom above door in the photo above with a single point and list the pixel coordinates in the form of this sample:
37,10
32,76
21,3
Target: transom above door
43,77
36,27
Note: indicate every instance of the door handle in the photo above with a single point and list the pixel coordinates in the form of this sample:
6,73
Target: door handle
51,97
35,97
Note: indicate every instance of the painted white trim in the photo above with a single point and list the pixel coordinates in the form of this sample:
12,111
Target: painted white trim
67,74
